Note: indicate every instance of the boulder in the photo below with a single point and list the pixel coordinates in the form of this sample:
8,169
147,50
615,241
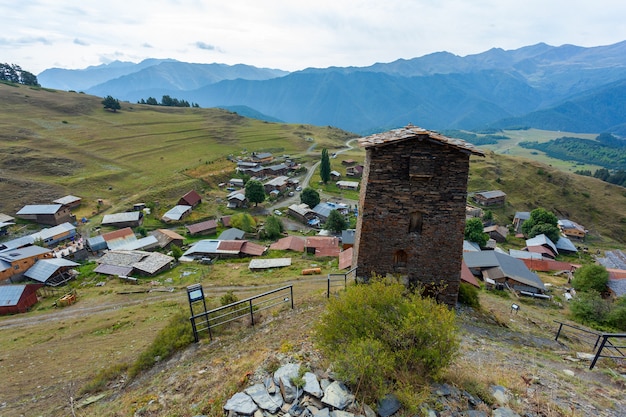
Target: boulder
337,395
312,385
263,399
241,403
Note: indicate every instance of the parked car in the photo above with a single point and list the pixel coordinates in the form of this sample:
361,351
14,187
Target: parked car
298,188
278,212
290,194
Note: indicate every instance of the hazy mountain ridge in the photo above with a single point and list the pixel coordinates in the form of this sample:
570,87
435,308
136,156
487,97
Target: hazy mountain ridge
537,86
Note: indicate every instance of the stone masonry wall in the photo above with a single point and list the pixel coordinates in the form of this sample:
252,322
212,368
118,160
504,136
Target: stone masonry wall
412,213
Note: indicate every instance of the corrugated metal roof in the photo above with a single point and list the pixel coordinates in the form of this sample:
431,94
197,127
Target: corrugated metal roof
507,265
18,243
541,240
12,255
124,233
345,258
269,263
68,199
39,209
129,216
202,226
203,246
46,268
10,294
413,132
321,242
230,245
252,249
294,243
6,218
232,234
177,212
53,231
107,269
192,198
492,194
138,244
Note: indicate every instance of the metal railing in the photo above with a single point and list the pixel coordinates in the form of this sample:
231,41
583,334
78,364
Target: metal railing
207,320
604,344
342,282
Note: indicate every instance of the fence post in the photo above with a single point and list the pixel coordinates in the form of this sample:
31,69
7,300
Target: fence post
251,313
558,332
291,295
593,363
328,286
195,331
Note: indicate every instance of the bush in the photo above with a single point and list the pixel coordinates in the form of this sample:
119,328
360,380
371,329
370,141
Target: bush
591,277
468,295
377,335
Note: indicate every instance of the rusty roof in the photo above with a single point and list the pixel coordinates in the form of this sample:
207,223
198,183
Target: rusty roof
321,242
294,243
411,132
118,234
252,249
202,226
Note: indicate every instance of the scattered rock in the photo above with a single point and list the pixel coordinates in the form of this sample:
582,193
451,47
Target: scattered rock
388,406
500,394
504,412
263,399
241,403
569,372
312,385
337,396
585,356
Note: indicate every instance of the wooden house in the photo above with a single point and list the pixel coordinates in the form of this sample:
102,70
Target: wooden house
192,198
50,214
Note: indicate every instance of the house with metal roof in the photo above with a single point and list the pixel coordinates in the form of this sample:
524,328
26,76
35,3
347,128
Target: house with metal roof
572,229
504,269
51,214
294,243
4,228
18,298
53,235
167,238
191,198
177,213
347,185
490,198
145,243
207,227
15,262
52,272
125,219
135,261
541,241
213,248
70,201
519,219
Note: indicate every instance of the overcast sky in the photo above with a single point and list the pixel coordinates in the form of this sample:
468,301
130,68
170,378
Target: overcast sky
291,34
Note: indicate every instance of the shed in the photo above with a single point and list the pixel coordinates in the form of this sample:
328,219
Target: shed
192,198
294,243
70,201
51,214
260,264
347,185
166,238
490,198
18,298
52,272
232,234
176,213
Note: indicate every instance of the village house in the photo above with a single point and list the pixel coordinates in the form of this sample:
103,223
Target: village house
412,208
335,175
192,198
50,214
347,185
232,234
354,171
279,184
111,240
497,233
572,229
301,212
125,219
69,201
322,245
262,157
236,199
293,243
135,262
347,238
236,182
519,219
207,227
56,234
505,270
490,198
219,249
15,262
5,222
167,238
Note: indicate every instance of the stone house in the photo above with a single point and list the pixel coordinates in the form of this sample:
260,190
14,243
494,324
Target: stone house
412,208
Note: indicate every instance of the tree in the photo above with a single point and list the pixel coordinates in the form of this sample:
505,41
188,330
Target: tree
474,232
176,252
310,197
255,192
335,222
243,221
544,217
111,103
273,227
591,277
325,166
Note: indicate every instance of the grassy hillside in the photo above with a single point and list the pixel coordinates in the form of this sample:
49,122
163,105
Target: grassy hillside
597,205
56,143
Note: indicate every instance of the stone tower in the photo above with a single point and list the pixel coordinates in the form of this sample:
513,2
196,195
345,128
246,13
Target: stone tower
412,208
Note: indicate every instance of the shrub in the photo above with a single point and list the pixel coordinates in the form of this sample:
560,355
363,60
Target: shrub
591,277
468,295
377,335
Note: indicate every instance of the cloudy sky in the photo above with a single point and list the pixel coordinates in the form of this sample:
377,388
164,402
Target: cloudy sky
291,34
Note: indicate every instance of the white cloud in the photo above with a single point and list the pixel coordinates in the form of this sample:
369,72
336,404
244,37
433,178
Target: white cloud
290,34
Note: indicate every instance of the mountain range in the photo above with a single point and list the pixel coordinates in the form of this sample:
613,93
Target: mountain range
568,88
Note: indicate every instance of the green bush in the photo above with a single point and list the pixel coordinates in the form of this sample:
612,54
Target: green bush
377,335
176,335
468,295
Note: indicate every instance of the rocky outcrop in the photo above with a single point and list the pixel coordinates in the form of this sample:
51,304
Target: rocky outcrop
291,393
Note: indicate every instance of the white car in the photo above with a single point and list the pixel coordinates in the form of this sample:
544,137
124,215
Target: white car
298,188
278,212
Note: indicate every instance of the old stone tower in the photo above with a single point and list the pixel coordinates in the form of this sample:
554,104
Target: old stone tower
412,208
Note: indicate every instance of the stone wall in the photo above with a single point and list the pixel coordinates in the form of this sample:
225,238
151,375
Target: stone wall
412,213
